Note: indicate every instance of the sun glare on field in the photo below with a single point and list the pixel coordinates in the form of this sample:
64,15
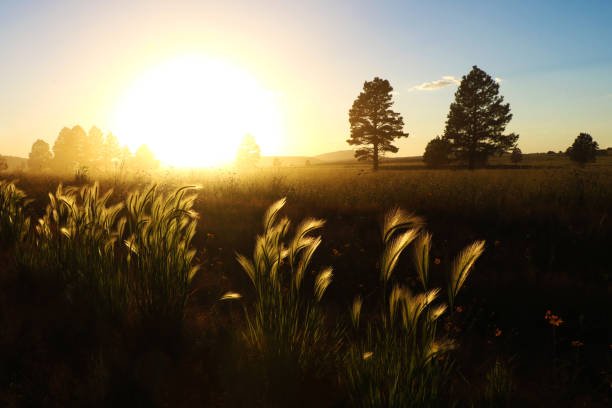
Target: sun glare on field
193,111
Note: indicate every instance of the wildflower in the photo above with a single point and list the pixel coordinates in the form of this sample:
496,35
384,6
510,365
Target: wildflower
497,242
209,235
577,343
335,252
459,309
361,250
347,245
437,261
367,355
441,357
498,332
555,320
548,314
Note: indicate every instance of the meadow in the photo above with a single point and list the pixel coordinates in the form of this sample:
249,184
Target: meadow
427,287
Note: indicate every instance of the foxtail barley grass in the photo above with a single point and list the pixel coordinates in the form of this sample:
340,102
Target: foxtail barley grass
286,329
160,258
401,361
140,261
76,242
13,222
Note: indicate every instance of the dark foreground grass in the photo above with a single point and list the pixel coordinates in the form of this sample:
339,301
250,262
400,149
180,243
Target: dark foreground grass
548,237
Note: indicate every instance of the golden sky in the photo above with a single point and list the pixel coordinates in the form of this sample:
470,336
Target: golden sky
70,62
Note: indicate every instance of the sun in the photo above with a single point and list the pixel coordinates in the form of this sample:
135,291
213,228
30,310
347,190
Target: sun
193,111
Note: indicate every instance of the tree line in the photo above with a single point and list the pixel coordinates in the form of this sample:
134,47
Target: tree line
75,149
475,126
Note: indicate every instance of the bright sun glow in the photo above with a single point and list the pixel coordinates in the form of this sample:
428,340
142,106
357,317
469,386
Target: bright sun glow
194,111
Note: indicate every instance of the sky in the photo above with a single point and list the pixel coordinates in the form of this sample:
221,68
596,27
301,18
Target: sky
70,62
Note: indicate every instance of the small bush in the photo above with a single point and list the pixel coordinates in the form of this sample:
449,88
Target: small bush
437,153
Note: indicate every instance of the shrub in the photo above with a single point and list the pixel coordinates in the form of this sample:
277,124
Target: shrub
437,153
583,150
516,156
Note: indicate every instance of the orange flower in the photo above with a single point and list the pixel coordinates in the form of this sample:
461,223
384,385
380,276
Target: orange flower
209,235
347,245
498,332
577,343
459,309
335,252
555,320
437,261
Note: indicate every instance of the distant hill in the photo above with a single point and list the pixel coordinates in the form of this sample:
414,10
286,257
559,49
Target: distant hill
339,156
293,161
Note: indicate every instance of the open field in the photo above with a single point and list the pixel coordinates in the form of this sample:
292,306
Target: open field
548,235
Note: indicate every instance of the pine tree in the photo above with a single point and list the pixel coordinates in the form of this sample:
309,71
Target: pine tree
373,124
477,120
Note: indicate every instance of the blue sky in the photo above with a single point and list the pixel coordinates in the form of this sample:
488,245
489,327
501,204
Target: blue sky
68,62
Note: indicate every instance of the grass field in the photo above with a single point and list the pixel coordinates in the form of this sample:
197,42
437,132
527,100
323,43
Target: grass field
110,315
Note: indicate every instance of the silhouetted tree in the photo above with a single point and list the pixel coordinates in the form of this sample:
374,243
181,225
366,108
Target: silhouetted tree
93,146
437,153
111,152
373,124
584,149
516,156
249,153
477,119
40,156
144,159
68,148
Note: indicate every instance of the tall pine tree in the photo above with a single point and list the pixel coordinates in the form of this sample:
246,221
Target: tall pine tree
477,120
373,124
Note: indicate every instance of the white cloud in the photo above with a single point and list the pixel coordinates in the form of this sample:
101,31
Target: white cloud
446,80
